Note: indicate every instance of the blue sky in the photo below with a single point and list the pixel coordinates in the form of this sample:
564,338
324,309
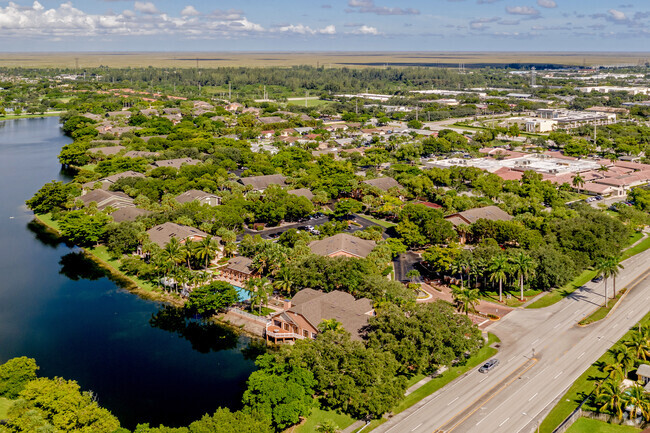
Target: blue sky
327,25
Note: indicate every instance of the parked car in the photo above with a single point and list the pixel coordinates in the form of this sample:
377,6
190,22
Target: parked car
597,279
490,365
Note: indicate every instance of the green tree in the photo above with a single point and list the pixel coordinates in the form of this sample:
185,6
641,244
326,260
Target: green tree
346,207
523,266
331,325
207,250
82,229
210,299
638,398
259,290
466,299
499,269
15,374
52,196
609,397
578,181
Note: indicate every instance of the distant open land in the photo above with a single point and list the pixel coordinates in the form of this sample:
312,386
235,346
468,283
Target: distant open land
325,59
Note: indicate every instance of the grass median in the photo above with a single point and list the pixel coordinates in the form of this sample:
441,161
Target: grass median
602,311
584,385
586,425
557,295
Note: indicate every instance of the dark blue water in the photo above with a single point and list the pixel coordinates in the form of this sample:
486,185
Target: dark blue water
145,362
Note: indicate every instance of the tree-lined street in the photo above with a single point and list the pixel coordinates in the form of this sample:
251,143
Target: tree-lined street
542,353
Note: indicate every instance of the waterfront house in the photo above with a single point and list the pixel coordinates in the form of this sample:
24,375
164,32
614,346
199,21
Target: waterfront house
175,163
307,310
163,233
238,271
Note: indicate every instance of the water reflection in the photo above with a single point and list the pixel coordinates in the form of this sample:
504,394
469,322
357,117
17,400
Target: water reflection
44,235
77,266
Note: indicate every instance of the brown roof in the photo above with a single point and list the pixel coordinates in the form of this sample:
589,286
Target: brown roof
105,199
107,150
240,264
383,183
316,306
302,192
202,196
262,182
163,233
128,214
140,154
271,119
176,163
470,216
343,243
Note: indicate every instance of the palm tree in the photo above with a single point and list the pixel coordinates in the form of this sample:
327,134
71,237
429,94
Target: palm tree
623,361
187,251
331,325
603,269
609,397
636,397
498,269
466,299
524,267
615,267
283,282
207,249
578,181
259,290
638,345
172,253
603,169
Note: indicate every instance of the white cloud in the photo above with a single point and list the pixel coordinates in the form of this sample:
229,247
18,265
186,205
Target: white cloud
189,11
522,10
306,30
617,15
145,8
365,30
547,3
368,6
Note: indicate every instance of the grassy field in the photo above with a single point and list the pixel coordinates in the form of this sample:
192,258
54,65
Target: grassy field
325,59
603,310
28,116
317,416
586,425
513,301
582,386
385,224
557,295
638,248
310,102
4,407
485,353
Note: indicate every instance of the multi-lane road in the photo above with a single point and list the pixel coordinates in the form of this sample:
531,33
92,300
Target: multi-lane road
542,353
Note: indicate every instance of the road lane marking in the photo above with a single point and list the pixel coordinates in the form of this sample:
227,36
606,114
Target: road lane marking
534,342
533,397
482,379
615,325
580,356
557,325
511,359
504,421
415,428
453,401
558,375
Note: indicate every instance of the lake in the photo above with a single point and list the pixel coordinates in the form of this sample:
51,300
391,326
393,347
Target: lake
144,361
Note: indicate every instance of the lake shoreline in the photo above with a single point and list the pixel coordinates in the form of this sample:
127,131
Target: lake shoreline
128,284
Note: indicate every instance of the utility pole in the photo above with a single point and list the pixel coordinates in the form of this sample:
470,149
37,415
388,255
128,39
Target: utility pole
229,91
306,93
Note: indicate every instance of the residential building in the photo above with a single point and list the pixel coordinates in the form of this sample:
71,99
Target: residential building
163,233
106,182
342,244
383,183
238,271
105,199
200,196
260,183
307,310
302,192
470,216
175,163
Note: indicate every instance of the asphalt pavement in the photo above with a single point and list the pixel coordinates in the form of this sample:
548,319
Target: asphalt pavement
543,351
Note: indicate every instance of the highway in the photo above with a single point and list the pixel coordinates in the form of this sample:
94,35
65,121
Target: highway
542,353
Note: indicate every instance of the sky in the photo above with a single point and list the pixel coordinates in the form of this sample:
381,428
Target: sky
325,25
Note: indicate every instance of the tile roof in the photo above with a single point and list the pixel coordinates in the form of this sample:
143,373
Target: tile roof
302,192
260,183
470,216
163,233
383,183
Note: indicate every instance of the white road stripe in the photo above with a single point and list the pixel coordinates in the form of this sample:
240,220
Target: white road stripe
452,401
504,421
558,375
415,428
580,356
533,397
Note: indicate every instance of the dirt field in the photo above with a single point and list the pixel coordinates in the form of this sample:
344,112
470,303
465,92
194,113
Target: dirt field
326,59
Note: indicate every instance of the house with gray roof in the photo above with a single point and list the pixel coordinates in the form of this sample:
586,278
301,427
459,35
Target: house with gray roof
271,119
260,183
128,214
175,163
342,244
163,233
106,182
200,196
106,150
105,199
383,183
302,192
309,308
140,154
470,216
